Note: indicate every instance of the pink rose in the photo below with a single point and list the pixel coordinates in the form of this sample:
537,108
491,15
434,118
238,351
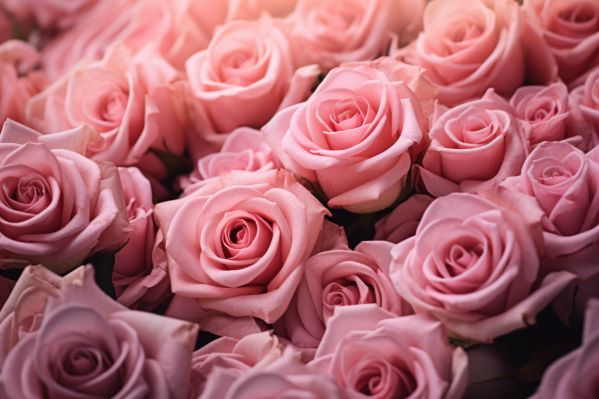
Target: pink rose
57,206
586,97
244,76
50,14
546,114
6,286
576,375
340,277
238,355
571,29
470,46
286,377
5,27
372,352
474,266
235,247
331,32
402,222
130,101
473,146
88,345
357,135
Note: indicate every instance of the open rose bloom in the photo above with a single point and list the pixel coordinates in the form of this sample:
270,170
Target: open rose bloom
303,199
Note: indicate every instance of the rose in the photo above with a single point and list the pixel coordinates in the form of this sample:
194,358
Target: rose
88,345
356,136
374,353
6,286
586,97
571,29
402,222
49,13
340,277
252,351
235,247
331,32
57,206
470,46
473,146
576,374
244,76
474,266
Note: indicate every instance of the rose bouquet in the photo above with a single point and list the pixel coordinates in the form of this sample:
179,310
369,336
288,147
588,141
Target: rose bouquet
299,199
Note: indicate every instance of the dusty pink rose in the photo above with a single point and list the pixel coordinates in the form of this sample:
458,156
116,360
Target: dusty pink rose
238,355
576,375
340,277
88,345
5,27
571,29
132,103
473,146
357,135
469,46
235,246
331,32
373,353
57,206
244,76
402,222
50,14
474,266
586,97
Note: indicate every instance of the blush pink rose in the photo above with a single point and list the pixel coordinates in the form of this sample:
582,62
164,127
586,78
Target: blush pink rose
571,29
576,375
402,222
236,246
50,14
331,32
357,135
88,345
474,266
340,277
586,97
470,46
244,76
57,207
374,353
473,146
131,102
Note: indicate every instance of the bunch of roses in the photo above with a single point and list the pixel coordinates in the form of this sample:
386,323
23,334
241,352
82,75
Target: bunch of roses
341,196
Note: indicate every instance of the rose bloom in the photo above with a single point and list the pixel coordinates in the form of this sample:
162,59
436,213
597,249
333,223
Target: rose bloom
340,277
357,135
331,32
244,76
576,375
586,97
235,247
373,353
469,46
473,146
88,345
57,207
474,266
130,101
571,29
402,222
50,14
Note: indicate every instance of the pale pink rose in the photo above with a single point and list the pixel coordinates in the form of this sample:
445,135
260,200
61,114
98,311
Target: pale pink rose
357,135
253,9
402,222
132,102
21,78
586,97
576,375
88,345
245,75
473,146
57,206
286,377
340,277
50,14
547,114
376,354
474,266
236,247
254,351
470,46
329,32
571,29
